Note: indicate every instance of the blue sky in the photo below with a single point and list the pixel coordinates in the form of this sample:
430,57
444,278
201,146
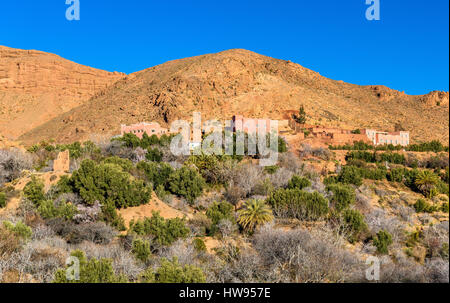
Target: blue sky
407,49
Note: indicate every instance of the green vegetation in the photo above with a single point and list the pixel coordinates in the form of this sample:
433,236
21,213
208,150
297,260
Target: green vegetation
186,182
382,241
164,232
173,272
343,196
2,199
298,182
254,213
20,229
301,117
91,271
295,203
219,211
422,206
141,249
355,225
34,191
199,245
108,182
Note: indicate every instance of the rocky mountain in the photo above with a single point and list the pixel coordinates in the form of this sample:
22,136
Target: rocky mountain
242,82
37,86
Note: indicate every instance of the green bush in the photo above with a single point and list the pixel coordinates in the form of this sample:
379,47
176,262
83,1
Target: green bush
141,249
173,272
422,206
48,210
21,230
298,204
156,173
350,175
104,182
219,211
34,191
444,207
355,224
2,199
154,155
165,232
298,182
199,245
343,196
90,271
186,182
125,164
110,215
395,175
382,240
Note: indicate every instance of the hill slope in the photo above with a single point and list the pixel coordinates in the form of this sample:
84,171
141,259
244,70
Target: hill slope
37,86
242,82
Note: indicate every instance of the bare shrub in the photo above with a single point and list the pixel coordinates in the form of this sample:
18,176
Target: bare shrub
87,213
97,232
378,219
122,260
301,256
281,177
226,227
12,163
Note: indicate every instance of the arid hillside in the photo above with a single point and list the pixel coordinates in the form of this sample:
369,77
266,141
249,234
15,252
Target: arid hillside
242,82
36,87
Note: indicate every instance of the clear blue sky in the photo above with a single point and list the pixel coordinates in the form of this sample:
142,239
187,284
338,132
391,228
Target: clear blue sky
407,49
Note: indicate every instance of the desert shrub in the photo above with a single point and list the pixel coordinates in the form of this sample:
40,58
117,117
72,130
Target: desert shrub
298,182
125,164
378,173
96,232
164,231
350,175
156,173
104,182
395,175
382,241
444,207
34,191
361,155
391,158
199,245
173,272
20,229
219,211
254,214
442,187
263,188
186,182
47,209
343,196
271,169
299,204
213,168
12,163
9,242
2,199
300,255
141,249
434,146
110,215
422,206
90,271
154,155
355,225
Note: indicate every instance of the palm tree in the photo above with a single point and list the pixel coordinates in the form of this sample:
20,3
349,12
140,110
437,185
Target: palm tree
426,182
254,213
